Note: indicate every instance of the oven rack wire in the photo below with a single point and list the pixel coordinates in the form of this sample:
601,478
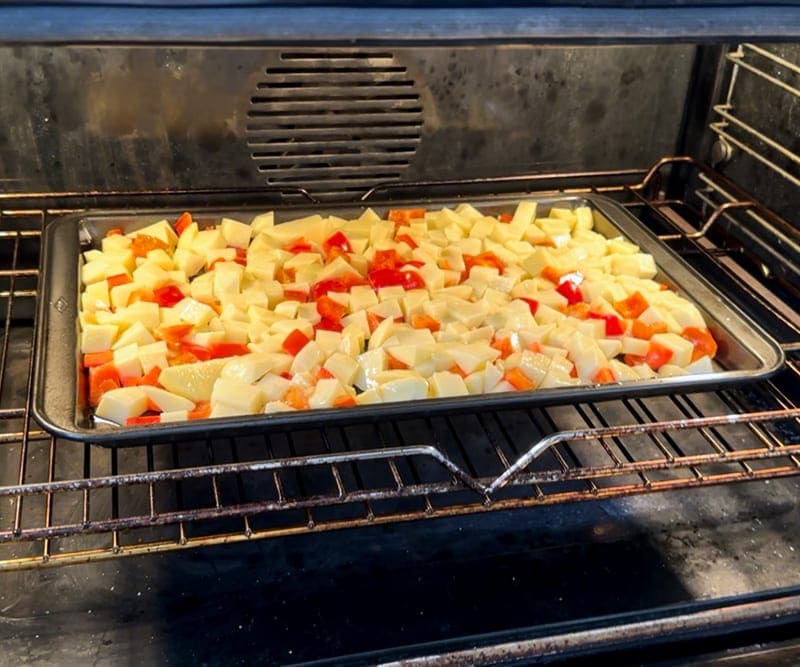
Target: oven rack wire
66,502
736,129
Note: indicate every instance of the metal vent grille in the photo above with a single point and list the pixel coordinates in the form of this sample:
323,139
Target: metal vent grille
334,123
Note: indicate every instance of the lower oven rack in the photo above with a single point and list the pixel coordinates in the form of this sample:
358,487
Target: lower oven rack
66,502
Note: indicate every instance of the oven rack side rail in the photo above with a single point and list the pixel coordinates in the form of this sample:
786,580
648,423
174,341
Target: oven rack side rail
71,502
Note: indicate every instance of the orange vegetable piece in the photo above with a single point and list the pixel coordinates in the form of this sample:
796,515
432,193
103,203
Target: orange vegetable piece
405,238
425,322
550,273
403,215
142,420
296,398
114,231
644,330
345,401
295,342
102,379
504,346
330,309
202,410
517,379
91,359
657,355
703,341
183,221
396,364
603,375
455,368
118,279
632,307
151,377
144,243
174,332
324,374
373,320
505,217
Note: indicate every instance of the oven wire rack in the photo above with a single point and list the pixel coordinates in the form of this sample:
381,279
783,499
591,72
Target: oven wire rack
65,502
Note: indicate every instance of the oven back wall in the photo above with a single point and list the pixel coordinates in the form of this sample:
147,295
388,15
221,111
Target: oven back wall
331,119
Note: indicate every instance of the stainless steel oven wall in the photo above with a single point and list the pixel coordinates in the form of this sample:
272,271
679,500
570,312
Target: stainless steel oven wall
332,119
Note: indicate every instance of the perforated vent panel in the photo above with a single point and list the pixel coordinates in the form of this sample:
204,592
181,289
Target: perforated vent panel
334,123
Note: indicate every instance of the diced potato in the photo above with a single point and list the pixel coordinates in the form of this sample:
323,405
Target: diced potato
325,393
681,348
118,405
126,361
235,233
410,387
445,383
98,337
241,396
136,333
166,401
192,381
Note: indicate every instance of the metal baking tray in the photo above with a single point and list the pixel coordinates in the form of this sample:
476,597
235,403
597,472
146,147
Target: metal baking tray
745,352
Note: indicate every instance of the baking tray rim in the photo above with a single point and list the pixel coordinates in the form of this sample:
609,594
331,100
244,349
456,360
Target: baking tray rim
57,418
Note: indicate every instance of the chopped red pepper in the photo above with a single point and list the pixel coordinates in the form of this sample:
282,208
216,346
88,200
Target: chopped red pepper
703,341
631,307
384,259
168,295
570,291
487,258
337,240
330,309
227,349
202,353
297,246
406,238
114,231
295,342
342,284
505,217
390,277
183,221
533,304
327,325
657,355
614,325
324,374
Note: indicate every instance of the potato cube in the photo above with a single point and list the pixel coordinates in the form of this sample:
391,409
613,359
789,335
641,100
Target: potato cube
98,337
445,383
126,361
235,233
241,396
118,405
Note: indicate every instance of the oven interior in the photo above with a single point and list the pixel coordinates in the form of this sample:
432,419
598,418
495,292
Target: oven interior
575,503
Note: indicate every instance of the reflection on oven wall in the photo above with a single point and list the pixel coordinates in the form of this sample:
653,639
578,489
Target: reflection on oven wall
334,120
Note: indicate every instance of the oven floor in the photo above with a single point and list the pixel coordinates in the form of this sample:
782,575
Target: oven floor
328,595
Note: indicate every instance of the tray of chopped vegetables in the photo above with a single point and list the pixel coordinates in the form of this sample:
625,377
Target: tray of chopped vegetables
181,324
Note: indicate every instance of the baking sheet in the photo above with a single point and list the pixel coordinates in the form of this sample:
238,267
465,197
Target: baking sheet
745,353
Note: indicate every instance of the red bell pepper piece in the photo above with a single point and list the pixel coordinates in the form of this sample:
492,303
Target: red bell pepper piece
337,240
168,295
391,277
614,325
295,342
